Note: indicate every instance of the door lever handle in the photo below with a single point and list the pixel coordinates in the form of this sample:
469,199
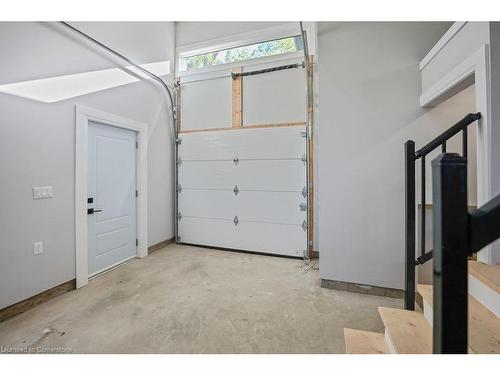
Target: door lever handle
90,211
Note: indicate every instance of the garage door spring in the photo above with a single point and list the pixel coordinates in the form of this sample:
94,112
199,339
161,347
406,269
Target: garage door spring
268,70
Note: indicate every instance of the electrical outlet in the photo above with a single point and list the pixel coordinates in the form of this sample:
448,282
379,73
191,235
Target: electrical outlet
37,248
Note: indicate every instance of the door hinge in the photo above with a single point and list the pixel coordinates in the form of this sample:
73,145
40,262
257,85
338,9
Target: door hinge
179,216
136,193
178,141
236,190
304,225
236,220
304,192
303,206
136,144
304,158
136,242
179,188
179,161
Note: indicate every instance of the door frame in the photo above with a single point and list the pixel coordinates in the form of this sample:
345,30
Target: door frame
476,65
83,116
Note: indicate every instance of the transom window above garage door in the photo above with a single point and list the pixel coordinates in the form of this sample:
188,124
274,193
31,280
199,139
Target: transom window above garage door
243,53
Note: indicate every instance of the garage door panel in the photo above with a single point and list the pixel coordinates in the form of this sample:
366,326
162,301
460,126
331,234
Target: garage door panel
250,236
262,143
269,175
270,207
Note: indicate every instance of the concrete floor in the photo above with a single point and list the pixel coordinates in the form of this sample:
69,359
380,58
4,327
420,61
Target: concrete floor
183,299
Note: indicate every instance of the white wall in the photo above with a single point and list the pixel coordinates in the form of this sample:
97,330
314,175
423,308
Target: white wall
37,144
369,92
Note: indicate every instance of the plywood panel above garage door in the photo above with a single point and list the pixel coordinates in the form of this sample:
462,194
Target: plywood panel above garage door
206,104
275,97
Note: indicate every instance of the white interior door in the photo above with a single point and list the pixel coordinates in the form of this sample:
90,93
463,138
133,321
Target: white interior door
243,189
111,196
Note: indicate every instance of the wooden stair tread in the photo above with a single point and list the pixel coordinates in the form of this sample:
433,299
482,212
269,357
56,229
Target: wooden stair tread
488,274
484,326
408,331
364,342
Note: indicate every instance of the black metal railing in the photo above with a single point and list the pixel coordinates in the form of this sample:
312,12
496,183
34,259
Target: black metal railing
457,235
411,157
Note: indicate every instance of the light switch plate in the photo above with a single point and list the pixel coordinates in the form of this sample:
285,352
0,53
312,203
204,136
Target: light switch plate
40,192
37,248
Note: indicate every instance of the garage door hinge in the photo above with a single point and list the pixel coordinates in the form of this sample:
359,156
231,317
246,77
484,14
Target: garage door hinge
235,160
303,133
304,158
304,225
178,141
179,161
304,192
303,206
136,193
236,220
179,216
136,144
179,188
236,190
136,242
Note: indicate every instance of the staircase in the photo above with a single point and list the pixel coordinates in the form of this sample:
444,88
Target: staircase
410,332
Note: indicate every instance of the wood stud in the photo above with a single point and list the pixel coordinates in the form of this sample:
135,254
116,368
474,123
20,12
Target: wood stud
237,99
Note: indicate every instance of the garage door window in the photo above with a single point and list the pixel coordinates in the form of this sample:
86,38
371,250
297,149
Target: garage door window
243,53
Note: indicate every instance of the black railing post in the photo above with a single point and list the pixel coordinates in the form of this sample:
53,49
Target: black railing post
422,211
409,225
464,143
449,184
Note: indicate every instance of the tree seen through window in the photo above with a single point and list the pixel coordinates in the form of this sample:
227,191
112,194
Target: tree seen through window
253,51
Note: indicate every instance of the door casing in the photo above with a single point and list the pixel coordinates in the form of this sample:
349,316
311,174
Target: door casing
83,116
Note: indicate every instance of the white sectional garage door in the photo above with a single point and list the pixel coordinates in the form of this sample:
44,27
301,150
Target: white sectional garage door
243,189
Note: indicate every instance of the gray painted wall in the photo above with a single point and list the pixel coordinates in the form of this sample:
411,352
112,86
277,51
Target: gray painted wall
37,144
369,91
